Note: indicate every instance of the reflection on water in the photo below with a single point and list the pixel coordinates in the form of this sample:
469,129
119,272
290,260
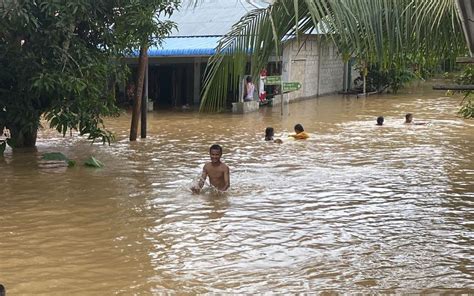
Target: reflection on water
356,208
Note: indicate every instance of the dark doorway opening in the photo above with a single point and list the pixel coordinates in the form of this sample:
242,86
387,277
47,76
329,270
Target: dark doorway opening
171,86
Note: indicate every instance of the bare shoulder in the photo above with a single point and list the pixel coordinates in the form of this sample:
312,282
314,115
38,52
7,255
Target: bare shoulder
206,166
224,166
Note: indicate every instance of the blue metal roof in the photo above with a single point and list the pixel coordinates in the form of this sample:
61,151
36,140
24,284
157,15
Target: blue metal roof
185,46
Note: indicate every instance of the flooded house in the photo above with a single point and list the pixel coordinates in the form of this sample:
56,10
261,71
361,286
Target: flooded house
176,67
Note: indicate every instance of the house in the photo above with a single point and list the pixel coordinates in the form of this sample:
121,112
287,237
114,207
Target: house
176,67
315,62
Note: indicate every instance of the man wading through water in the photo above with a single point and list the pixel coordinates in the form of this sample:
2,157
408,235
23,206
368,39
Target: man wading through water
217,171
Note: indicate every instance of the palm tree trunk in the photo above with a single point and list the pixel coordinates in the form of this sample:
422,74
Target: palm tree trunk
142,61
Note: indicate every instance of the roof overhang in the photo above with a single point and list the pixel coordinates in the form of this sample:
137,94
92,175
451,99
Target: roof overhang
202,46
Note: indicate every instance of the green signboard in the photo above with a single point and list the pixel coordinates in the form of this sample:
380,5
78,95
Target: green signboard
291,86
273,80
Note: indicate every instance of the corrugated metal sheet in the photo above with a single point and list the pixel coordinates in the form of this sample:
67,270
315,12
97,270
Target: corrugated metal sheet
200,27
211,17
185,46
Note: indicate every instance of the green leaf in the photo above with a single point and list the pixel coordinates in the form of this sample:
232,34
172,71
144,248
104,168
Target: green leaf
59,156
93,162
55,156
11,142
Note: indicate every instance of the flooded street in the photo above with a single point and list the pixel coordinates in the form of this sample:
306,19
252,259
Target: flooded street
355,208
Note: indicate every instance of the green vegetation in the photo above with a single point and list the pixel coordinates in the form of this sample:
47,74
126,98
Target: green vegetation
379,79
59,156
3,145
90,162
93,162
59,61
467,77
394,35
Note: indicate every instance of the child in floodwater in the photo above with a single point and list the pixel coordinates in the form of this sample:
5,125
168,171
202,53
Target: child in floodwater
217,171
380,120
269,132
409,120
300,134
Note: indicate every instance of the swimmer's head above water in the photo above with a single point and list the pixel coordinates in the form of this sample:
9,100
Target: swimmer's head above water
380,120
299,128
269,132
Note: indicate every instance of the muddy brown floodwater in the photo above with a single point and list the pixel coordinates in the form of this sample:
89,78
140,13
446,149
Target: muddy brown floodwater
355,208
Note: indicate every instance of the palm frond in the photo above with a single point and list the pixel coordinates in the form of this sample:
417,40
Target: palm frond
381,32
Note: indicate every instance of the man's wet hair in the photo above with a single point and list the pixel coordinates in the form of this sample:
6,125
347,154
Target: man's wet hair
408,115
2,290
216,147
380,120
299,128
269,133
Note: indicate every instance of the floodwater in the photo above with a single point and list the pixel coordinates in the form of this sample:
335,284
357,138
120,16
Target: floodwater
356,208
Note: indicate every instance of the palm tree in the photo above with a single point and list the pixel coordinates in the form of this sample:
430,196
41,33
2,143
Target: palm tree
386,33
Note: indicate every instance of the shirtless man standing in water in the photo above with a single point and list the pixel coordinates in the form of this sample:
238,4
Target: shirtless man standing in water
217,171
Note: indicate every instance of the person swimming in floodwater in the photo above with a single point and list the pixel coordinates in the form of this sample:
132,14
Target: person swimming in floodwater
409,120
380,120
300,134
269,133
217,171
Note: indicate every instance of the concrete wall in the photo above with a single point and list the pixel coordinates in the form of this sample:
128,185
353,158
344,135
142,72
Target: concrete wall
315,62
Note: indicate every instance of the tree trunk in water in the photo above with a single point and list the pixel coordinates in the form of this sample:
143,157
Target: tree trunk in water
142,61
22,139
144,105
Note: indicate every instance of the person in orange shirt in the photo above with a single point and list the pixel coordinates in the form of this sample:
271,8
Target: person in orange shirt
300,134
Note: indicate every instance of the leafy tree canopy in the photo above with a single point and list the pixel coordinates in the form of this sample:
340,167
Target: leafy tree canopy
58,59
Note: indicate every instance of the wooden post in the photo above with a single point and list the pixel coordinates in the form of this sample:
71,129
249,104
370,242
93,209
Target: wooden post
197,82
144,106
364,74
281,97
320,52
142,61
